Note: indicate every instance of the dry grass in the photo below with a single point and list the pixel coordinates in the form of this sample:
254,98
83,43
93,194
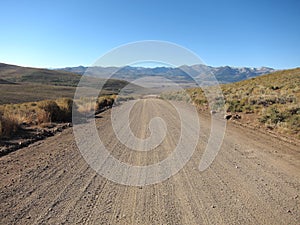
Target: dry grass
12,116
103,102
86,105
51,108
66,106
9,124
89,105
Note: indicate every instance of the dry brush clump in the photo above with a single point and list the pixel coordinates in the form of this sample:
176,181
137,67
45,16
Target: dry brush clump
66,106
104,102
59,110
284,119
88,105
13,116
50,108
9,124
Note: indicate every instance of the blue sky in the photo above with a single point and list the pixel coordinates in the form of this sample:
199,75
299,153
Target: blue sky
226,32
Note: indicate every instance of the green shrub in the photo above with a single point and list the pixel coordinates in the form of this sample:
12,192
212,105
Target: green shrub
274,116
200,101
294,123
234,106
248,108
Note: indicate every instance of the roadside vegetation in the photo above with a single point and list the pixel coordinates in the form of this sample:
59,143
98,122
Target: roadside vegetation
271,101
38,114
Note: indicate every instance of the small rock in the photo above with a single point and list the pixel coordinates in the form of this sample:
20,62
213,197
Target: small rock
46,167
289,211
296,196
213,206
236,167
28,217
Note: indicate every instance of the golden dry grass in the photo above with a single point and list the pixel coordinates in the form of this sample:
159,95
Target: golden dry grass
47,111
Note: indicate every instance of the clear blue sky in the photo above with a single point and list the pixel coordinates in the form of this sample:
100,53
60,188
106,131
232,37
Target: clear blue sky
227,32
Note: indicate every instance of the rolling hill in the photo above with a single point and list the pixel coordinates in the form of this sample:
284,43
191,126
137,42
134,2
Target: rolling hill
24,84
18,74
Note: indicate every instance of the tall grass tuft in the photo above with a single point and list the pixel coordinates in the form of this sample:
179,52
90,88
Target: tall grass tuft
9,124
51,108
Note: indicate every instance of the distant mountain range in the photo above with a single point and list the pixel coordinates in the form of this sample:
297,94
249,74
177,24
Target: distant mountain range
182,74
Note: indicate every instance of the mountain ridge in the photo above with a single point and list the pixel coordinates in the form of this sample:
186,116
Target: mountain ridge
184,73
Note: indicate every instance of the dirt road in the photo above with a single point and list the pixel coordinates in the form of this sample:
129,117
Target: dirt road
255,179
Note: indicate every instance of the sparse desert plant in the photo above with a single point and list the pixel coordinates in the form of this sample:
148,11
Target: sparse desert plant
178,96
294,123
234,106
248,108
273,116
200,101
